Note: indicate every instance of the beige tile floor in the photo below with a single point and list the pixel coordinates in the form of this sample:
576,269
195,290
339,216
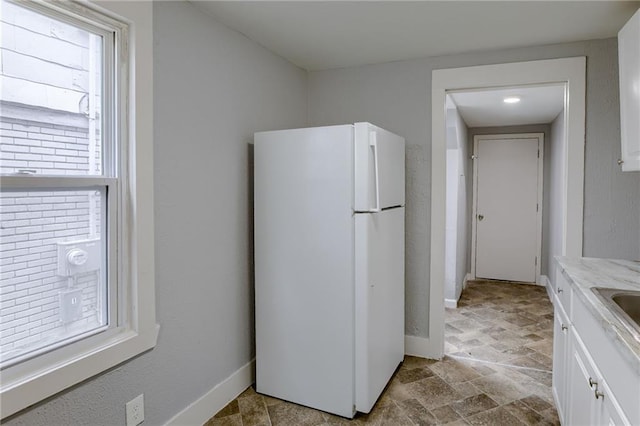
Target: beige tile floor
497,371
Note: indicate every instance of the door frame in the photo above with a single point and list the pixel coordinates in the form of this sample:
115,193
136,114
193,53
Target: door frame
478,138
568,71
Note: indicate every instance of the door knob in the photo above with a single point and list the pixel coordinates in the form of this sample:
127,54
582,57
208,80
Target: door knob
480,217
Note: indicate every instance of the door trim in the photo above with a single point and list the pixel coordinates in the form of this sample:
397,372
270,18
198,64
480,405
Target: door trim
568,71
476,139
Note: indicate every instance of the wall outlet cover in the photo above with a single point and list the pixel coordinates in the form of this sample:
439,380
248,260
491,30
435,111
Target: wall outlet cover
135,411
70,305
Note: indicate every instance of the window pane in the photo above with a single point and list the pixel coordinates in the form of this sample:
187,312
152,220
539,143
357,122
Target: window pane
50,95
53,284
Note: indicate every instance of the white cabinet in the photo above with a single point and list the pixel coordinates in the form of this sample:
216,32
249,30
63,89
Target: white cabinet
581,376
561,343
560,354
629,65
609,413
590,400
586,367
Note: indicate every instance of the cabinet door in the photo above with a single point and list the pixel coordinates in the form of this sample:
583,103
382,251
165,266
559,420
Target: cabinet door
560,357
629,65
608,410
582,407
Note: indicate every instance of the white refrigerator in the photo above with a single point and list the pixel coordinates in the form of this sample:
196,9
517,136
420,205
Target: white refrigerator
329,264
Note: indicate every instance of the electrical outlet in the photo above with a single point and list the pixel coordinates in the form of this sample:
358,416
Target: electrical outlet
135,411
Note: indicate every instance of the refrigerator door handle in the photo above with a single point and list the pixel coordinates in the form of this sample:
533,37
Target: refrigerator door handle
373,143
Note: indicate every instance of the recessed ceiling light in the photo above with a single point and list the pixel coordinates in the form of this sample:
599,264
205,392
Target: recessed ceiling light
511,99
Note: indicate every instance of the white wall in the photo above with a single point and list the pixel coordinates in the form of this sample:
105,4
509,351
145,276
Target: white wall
451,225
458,207
397,96
463,254
213,88
555,213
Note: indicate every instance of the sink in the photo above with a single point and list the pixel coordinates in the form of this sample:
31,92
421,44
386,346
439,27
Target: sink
624,304
629,303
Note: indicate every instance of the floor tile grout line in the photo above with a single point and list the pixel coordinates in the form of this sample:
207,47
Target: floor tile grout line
405,414
266,408
458,357
533,409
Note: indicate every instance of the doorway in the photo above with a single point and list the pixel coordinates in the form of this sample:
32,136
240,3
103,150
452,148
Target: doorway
507,207
567,71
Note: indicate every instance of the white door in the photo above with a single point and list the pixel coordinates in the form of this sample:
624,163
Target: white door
508,203
379,324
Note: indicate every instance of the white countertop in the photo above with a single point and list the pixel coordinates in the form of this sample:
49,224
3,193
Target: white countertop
586,273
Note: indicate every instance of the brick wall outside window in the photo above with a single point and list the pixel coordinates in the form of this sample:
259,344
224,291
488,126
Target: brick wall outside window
31,225
50,125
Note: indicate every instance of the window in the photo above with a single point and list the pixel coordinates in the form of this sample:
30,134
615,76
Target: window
60,148
70,281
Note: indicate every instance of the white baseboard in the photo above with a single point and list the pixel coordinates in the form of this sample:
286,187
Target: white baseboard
450,303
453,303
420,347
217,398
544,280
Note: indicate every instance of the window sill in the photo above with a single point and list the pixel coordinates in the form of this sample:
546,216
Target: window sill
35,386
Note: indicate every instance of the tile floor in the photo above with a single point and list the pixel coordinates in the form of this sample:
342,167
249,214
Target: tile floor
497,371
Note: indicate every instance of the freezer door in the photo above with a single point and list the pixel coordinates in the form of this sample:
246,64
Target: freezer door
379,329
379,168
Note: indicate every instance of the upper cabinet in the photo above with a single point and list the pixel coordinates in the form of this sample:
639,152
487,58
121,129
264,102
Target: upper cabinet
629,61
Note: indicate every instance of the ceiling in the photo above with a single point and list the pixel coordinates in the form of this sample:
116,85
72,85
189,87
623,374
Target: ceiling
317,35
486,108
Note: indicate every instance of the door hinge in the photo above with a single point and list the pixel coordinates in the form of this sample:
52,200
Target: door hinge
538,152
536,261
537,206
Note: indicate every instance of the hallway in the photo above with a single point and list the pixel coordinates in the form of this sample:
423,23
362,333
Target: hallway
496,371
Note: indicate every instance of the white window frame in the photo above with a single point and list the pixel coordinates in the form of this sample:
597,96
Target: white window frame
135,329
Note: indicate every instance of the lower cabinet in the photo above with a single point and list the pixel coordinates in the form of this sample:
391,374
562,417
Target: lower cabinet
610,413
585,404
591,400
560,354
582,395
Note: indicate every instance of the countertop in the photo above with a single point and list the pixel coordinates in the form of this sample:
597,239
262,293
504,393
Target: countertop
585,273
